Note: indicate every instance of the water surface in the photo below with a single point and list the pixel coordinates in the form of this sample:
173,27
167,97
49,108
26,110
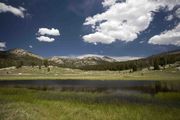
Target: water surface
149,86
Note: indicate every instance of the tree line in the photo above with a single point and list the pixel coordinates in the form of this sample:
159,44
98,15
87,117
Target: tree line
155,61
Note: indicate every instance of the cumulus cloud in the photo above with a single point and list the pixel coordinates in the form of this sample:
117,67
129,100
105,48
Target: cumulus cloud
97,37
2,46
45,39
46,31
169,18
16,11
107,3
178,13
30,46
170,37
123,20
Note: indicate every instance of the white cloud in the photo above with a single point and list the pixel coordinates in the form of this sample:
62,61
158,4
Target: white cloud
16,11
46,31
45,39
170,37
178,13
107,3
44,34
97,37
141,42
30,46
123,20
2,46
169,18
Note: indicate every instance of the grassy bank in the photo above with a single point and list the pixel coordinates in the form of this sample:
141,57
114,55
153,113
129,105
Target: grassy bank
25,104
34,73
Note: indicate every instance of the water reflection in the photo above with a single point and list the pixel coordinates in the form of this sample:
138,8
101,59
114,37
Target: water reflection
151,87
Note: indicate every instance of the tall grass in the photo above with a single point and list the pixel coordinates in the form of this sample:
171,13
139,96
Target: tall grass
26,104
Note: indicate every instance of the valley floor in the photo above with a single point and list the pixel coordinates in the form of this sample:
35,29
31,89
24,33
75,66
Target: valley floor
34,104
34,73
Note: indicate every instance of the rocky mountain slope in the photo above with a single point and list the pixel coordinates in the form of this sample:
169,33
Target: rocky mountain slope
21,52
15,56
18,56
81,60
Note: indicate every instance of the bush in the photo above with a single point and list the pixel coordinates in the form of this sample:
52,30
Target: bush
48,69
19,65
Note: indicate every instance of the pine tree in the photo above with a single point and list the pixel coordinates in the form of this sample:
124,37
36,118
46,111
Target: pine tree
45,62
156,64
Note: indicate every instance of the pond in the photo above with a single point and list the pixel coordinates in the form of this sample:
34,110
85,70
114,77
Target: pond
147,86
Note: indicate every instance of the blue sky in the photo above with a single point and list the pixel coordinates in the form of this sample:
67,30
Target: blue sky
77,27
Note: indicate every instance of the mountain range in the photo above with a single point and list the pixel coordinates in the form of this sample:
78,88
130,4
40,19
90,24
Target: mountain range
15,56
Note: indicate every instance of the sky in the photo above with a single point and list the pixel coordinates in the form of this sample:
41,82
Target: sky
77,27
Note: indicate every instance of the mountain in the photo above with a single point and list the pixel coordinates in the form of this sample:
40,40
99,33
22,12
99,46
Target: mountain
81,60
87,59
161,59
97,57
18,56
174,52
23,53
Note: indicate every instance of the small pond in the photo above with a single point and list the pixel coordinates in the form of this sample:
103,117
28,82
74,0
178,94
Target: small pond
147,86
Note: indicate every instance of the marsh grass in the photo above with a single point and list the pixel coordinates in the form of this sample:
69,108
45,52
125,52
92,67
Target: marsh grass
21,104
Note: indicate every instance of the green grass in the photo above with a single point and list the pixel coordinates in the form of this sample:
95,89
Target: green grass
25,104
58,73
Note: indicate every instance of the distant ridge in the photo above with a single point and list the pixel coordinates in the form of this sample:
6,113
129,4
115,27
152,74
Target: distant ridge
172,52
13,57
21,52
81,61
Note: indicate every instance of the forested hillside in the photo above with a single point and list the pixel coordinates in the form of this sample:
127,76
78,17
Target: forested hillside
20,57
155,61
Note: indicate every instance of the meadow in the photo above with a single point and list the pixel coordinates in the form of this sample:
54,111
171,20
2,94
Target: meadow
30,104
58,73
47,104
